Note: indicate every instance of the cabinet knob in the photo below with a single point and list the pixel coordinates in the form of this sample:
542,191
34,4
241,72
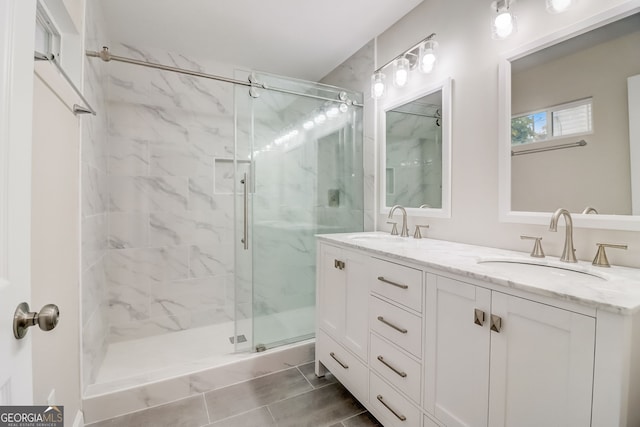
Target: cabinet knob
478,317
393,368
496,323
391,282
341,363
393,411
391,325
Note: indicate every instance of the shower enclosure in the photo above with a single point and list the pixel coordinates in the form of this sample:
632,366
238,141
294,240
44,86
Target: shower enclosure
298,173
209,205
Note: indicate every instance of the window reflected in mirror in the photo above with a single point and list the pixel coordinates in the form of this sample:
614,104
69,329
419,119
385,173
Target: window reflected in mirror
572,143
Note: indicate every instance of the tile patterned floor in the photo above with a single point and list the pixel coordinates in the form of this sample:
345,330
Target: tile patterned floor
291,398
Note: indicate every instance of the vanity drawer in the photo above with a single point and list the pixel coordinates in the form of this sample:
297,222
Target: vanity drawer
343,365
398,283
390,407
397,325
395,366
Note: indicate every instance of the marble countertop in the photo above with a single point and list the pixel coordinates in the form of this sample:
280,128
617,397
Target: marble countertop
615,289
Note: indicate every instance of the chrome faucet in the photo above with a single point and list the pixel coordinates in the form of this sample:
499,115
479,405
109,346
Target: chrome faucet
405,229
568,254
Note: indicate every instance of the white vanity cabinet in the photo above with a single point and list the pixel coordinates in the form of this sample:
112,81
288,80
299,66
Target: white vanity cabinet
424,337
511,361
342,316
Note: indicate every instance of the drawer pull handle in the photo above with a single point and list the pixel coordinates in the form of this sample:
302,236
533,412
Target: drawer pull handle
399,285
332,354
478,317
386,405
339,264
397,328
496,323
385,363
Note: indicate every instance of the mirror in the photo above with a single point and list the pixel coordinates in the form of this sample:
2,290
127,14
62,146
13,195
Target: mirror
566,137
415,147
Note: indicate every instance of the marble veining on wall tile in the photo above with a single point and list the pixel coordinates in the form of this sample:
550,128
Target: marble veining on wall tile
170,233
94,200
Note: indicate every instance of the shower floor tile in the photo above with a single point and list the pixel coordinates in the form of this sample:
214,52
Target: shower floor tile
134,362
132,358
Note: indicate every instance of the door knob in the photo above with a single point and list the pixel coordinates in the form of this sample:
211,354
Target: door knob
46,319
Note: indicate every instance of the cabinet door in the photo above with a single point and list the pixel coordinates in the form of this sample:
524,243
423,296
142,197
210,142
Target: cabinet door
541,365
457,352
357,269
331,292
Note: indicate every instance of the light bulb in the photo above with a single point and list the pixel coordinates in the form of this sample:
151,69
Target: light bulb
377,85
558,6
332,112
344,108
401,72
308,125
427,56
503,24
320,118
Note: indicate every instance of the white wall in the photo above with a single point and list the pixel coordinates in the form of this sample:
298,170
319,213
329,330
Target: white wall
55,248
55,237
470,56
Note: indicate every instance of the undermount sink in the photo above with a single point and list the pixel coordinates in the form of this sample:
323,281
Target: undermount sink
543,270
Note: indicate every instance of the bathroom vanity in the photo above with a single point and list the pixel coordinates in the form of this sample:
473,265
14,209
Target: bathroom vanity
433,333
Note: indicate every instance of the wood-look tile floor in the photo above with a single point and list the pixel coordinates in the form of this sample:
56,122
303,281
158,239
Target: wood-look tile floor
291,398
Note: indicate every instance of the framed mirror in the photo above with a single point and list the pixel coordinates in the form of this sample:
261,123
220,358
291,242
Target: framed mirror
415,152
566,138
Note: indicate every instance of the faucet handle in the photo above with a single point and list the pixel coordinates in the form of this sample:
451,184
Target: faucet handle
537,251
418,234
394,229
601,256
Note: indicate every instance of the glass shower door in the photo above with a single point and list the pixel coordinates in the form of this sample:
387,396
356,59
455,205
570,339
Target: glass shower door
304,177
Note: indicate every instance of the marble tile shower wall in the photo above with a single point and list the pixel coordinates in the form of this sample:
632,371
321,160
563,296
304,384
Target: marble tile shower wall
291,205
414,154
94,203
355,74
170,220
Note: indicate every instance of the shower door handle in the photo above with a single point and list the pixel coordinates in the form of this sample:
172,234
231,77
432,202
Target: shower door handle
245,225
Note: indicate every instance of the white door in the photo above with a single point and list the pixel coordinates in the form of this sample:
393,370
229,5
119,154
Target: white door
17,29
541,365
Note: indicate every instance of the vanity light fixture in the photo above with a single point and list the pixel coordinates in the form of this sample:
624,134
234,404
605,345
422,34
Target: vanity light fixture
558,6
428,56
378,88
421,56
401,68
503,22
